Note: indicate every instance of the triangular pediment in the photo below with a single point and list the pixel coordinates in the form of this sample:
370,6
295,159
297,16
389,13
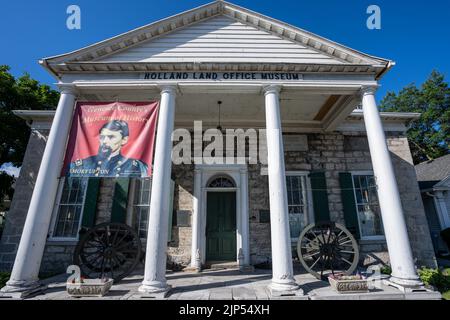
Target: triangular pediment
221,39
216,33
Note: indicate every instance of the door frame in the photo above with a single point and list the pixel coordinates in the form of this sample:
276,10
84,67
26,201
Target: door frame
239,174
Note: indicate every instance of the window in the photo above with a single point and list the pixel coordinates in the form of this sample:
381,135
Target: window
70,208
141,205
296,184
368,208
221,182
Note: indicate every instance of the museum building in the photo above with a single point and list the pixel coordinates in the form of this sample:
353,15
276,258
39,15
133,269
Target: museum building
327,153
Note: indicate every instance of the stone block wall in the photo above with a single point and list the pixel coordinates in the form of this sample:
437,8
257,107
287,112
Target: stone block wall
179,248
17,213
104,200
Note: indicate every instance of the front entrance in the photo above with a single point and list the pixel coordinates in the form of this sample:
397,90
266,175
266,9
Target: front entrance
221,226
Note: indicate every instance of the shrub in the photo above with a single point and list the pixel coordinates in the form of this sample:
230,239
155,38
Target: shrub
386,269
435,278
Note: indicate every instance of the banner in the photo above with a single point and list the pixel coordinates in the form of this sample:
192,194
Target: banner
111,140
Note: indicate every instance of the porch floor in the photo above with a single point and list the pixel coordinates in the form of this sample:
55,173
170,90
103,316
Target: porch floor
227,284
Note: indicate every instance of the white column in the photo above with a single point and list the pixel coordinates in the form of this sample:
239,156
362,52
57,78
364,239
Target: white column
282,269
245,217
24,276
400,254
157,234
195,263
442,211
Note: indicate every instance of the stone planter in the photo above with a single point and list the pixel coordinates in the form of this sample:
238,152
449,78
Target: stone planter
348,284
89,288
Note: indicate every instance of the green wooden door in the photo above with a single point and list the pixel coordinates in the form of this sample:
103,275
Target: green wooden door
221,226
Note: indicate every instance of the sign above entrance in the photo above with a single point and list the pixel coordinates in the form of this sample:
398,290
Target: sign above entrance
223,76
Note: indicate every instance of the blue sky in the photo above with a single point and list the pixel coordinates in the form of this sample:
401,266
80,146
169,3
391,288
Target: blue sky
415,34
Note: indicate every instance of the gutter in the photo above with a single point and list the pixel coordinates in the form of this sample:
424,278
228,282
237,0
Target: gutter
388,66
44,63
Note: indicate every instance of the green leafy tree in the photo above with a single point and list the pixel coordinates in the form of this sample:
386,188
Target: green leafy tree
429,136
23,93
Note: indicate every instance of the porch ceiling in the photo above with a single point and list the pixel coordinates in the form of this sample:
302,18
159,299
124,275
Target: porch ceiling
299,110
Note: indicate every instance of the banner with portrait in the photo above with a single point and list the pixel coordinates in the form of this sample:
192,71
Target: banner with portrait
113,139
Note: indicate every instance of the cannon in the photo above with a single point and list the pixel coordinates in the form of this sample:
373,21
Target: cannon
326,248
110,250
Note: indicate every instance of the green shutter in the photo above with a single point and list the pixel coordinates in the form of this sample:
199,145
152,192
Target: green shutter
90,203
120,200
172,189
320,196
348,203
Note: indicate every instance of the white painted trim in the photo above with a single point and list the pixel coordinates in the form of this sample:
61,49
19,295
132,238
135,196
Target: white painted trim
51,238
441,209
309,200
364,173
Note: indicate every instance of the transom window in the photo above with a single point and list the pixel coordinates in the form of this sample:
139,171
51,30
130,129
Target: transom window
70,208
221,182
141,206
367,205
297,203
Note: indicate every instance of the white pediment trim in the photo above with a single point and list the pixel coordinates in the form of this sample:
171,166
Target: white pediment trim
89,59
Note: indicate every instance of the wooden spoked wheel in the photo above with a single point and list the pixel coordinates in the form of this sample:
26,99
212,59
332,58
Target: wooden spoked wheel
109,250
327,248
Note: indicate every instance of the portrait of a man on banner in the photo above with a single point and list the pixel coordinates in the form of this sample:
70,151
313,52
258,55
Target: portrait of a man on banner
111,140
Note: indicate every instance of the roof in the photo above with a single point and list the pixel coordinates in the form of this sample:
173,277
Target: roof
99,57
430,173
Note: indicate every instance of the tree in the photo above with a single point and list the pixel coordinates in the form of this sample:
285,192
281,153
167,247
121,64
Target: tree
429,136
22,93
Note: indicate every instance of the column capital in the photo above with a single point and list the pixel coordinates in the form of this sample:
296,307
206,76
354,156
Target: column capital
67,88
368,90
271,88
168,88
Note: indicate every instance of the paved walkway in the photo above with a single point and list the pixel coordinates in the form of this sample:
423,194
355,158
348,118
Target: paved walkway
227,285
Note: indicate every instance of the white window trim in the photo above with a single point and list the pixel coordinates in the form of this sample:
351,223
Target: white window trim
363,173
309,216
130,205
51,238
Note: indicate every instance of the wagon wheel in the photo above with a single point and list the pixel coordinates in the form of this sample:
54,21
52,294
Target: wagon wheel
108,250
327,247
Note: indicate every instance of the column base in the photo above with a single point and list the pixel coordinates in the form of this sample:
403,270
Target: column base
154,289
21,289
406,286
291,289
